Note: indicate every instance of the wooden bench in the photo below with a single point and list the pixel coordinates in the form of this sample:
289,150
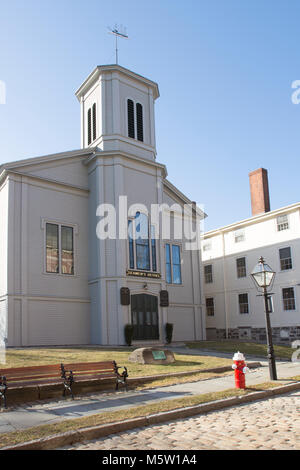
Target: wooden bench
79,372
65,374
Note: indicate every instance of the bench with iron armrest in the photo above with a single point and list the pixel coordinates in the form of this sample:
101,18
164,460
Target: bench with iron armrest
86,371
56,374
24,377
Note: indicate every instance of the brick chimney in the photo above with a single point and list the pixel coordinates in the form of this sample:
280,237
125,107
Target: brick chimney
259,188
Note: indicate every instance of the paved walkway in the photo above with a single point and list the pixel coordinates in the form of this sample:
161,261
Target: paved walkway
50,412
266,424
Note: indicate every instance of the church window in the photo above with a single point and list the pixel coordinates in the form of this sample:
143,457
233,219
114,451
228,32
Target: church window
130,112
59,249
135,120
139,122
142,243
173,264
89,124
94,122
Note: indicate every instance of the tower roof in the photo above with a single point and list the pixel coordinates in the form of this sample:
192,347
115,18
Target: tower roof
100,69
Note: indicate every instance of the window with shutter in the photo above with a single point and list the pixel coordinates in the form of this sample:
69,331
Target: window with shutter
94,122
139,122
130,113
89,123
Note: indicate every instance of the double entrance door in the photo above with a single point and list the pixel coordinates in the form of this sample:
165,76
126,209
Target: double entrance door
144,312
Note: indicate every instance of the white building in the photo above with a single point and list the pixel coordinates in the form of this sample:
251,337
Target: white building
229,254
60,284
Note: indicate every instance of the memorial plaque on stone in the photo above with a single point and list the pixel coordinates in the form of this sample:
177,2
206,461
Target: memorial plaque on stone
157,355
152,356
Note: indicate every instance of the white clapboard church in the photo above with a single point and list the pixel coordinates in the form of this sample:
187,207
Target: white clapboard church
60,283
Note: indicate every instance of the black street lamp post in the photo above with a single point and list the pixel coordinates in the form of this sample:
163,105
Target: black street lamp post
263,278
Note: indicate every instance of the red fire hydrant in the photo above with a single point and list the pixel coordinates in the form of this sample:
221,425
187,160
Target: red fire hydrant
240,369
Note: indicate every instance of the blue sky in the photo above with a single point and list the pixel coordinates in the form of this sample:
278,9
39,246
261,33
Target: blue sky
224,69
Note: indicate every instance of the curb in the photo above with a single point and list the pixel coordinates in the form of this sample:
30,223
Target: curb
86,434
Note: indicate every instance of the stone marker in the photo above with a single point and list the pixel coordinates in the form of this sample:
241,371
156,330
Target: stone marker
151,356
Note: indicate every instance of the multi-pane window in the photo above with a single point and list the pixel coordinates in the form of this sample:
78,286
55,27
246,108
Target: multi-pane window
282,222
52,246
91,124
285,258
59,249
239,236
142,243
208,274
173,264
168,264
135,120
241,267
210,307
153,248
288,297
207,246
243,303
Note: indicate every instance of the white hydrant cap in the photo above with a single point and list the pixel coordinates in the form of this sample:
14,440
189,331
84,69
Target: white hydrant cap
238,356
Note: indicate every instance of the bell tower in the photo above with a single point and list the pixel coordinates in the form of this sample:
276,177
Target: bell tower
117,111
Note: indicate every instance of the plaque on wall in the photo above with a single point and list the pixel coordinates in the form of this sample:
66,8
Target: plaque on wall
125,296
164,298
132,272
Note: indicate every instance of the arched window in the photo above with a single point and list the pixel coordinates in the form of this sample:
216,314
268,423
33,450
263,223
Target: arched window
142,243
139,122
135,120
94,122
130,113
89,124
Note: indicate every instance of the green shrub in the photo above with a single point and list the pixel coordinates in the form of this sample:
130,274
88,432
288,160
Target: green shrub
169,332
128,332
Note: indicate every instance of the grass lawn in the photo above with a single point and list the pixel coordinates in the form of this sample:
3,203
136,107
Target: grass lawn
254,349
38,432
46,355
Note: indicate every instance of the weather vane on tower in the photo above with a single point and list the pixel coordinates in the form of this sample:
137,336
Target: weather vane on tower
118,32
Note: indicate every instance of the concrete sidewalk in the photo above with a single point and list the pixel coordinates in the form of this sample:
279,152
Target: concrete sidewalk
51,412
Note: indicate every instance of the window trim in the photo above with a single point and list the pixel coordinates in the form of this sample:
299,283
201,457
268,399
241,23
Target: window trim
89,126
277,225
238,302
207,246
94,122
135,103
242,232
132,220
91,123
295,299
171,262
206,298
236,267
60,223
292,259
212,273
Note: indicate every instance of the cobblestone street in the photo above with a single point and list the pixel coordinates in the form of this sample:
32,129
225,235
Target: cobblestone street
267,424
